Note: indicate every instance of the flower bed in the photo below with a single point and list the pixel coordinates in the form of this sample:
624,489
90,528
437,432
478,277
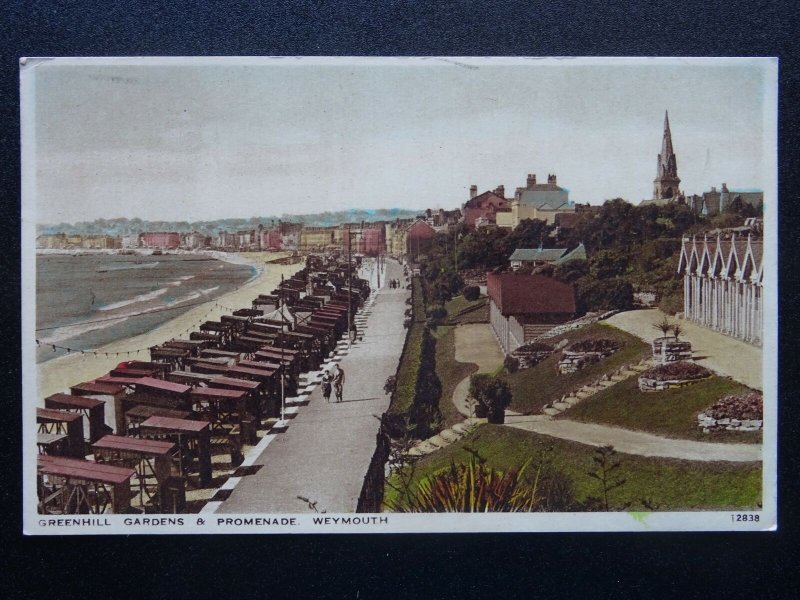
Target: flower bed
586,352
672,375
744,412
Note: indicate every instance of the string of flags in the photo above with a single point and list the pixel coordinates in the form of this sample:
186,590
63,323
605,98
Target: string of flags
85,352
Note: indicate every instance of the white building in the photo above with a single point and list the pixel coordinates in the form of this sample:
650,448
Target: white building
723,285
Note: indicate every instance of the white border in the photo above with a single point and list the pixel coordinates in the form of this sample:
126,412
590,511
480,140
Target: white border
34,523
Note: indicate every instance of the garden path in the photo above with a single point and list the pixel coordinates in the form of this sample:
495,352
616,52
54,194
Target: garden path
720,353
636,442
474,343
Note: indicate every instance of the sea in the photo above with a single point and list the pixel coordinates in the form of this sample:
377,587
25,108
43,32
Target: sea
84,301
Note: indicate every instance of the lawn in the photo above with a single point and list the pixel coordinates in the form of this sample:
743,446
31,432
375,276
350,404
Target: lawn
477,311
665,484
533,388
450,372
672,413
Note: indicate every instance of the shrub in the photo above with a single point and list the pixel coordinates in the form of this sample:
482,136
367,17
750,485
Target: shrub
472,293
601,345
610,294
473,488
671,303
492,395
742,406
681,370
511,364
531,347
436,315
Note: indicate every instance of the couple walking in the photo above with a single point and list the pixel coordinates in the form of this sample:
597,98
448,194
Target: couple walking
333,379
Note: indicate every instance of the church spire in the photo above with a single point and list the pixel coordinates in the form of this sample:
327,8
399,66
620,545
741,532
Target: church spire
666,144
666,181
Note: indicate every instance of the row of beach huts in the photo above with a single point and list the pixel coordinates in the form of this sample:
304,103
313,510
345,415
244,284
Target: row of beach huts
145,435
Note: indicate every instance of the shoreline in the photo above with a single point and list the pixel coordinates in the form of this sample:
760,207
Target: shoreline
59,374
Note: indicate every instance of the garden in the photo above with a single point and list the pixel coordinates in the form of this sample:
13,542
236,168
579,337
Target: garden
670,413
541,384
567,476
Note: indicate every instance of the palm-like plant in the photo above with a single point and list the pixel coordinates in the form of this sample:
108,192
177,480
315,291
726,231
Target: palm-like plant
474,487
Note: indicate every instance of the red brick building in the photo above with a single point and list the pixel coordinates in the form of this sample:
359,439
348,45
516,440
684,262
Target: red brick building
522,307
160,239
419,238
485,206
372,240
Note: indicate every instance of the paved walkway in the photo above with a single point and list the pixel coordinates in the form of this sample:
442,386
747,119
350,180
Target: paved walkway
474,343
720,353
636,442
324,454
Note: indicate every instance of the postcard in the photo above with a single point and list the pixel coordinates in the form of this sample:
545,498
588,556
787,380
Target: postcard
377,295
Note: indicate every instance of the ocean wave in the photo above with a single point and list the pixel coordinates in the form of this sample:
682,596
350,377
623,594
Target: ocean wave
128,266
192,296
136,299
181,280
70,331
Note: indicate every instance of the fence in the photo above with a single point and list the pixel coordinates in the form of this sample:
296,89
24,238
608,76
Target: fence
371,498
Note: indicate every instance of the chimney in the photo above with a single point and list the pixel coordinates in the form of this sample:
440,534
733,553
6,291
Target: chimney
531,180
551,179
713,189
500,190
724,187
473,191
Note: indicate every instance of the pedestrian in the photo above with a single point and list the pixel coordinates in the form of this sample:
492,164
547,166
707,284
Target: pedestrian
326,386
353,332
338,382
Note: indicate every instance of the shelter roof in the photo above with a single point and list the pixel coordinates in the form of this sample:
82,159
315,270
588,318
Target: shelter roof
518,294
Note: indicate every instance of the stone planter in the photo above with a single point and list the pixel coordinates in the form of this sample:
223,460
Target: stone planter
670,349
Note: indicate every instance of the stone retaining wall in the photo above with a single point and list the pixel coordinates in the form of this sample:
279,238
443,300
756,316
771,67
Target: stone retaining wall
654,385
572,361
708,423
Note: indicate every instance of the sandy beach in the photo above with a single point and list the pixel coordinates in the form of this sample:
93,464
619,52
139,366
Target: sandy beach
59,374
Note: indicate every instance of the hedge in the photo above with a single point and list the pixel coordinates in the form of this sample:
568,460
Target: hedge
416,395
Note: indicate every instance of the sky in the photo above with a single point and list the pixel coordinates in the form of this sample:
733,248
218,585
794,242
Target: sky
193,140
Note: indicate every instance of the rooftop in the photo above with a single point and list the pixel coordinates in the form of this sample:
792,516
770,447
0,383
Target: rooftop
517,294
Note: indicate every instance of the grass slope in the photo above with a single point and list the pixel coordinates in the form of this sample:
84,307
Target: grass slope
533,388
672,413
478,314
667,484
450,372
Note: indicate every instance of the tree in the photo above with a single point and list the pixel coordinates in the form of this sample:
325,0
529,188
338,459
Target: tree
492,395
471,293
571,271
605,472
612,294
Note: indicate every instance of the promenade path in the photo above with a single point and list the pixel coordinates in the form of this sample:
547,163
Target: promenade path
720,353
324,454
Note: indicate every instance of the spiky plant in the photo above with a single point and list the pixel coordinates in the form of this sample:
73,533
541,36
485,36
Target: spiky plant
474,487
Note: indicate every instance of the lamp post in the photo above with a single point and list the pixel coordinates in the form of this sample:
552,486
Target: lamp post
280,365
349,286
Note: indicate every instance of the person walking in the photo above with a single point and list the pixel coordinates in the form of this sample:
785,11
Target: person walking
326,386
338,382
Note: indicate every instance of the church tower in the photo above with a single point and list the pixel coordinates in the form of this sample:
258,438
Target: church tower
665,185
